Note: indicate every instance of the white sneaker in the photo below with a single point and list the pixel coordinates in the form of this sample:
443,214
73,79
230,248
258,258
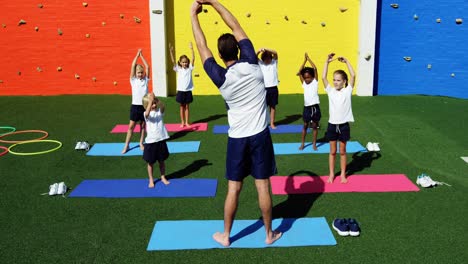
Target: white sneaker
78,145
61,188
423,181
53,189
370,146
376,146
85,145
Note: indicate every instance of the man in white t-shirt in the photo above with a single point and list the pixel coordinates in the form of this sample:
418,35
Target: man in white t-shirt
250,148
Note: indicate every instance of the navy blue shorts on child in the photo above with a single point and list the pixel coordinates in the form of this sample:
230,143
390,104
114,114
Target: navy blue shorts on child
341,132
184,97
272,96
252,155
311,113
136,113
156,151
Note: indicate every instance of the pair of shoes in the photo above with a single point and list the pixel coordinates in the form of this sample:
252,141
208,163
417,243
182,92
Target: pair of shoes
58,188
346,227
425,181
82,145
372,146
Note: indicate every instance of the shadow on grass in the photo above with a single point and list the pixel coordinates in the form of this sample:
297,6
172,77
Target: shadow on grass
288,120
180,134
360,161
294,207
191,168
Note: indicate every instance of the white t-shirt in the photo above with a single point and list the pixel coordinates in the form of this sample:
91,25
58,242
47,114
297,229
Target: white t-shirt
155,129
311,96
270,73
184,78
139,89
339,102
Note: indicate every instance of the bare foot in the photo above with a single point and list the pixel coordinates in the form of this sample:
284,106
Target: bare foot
275,235
182,125
187,125
125,149
301,147
142,147
164,180
343,179
330,179
315,147
272,126
151,184
221,239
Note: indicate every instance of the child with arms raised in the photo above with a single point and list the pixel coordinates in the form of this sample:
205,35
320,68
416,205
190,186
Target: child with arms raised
268,63
341,113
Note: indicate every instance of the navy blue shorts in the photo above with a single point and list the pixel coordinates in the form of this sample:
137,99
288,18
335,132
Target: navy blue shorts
272,96
184,97
341,132
137,113
156,151
252,155
311,113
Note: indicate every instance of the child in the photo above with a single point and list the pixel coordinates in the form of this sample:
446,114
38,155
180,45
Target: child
339,99
311,113
139,78
269,66
249,146
184,84
155,142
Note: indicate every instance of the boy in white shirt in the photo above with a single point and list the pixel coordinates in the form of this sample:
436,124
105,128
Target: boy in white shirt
269,65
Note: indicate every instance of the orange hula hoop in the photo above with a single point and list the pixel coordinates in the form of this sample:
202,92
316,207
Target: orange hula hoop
22,132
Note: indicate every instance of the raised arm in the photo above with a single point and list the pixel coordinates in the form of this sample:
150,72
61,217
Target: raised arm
352,75
161,105
325,69
193,53
171,53
145,63
228,18
198,34
312,64
132,69
302,67
151,98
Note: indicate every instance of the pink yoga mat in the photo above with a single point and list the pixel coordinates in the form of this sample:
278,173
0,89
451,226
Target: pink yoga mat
169,127
283,185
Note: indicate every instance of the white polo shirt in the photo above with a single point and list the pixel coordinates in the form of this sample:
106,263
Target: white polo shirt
339,102
311,96
155,129
184,78
270,73
139,89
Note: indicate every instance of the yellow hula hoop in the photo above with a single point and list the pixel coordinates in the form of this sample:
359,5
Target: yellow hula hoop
35,153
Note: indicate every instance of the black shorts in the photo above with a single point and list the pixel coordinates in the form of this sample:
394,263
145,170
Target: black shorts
272,96
184,97
156,151
341,132
252,155
311,113
137,113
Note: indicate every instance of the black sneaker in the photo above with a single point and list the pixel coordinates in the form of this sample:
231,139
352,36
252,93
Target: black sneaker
341,226
353,227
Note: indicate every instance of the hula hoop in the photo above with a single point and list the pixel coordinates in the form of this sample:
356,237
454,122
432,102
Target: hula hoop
5,150
7,127
35,153
22,132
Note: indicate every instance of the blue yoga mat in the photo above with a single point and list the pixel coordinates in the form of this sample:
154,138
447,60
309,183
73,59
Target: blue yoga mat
323,147
138,188
115,149
280,129
197,234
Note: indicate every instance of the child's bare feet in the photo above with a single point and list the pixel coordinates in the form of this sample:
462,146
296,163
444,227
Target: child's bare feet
330,179
125,149
272,126
187,125
222,239
315,147
343,179
182,125
151,184
164,180
301,147
271,238
142,147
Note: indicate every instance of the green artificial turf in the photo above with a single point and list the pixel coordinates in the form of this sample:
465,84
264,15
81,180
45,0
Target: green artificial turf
416,134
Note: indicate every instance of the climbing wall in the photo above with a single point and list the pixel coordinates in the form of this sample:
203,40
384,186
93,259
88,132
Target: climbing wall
316,27
70,47
422,48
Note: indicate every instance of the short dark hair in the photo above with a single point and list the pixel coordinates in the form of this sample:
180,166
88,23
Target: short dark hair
228,47
266,55
308,70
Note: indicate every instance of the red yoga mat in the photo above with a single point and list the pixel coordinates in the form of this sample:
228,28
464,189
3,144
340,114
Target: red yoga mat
283,185
169,127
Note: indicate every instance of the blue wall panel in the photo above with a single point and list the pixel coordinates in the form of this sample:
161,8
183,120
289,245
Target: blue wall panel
442,45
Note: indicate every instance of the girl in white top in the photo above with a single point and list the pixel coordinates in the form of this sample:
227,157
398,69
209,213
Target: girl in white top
184,96
155,142
311,113
340,111
268,63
